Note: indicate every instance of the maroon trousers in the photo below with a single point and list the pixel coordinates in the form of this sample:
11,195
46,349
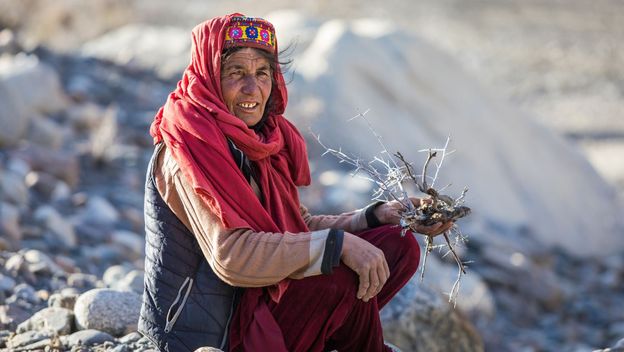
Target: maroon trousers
322,313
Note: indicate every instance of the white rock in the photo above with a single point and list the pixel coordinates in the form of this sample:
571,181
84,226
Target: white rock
111,311
474,296
419,319
57,320
55,222
520,174
133,281
13,118
9,221
87,338
40,262
99,211
14,189
114,274
33,84
6,283
164,50
45,132
85,116
130,240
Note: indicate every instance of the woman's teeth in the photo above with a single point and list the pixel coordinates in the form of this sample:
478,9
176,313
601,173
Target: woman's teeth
248,105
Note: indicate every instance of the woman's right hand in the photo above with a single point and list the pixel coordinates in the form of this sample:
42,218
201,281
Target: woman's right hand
368,262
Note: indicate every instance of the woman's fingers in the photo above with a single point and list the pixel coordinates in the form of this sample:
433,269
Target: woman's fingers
364,283
435,229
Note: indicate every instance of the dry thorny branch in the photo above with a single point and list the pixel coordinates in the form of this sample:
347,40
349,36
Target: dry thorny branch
389,172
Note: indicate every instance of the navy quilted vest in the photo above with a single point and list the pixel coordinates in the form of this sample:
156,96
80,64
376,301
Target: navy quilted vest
185,305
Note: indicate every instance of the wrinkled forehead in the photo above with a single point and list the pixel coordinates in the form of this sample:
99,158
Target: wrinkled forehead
246,57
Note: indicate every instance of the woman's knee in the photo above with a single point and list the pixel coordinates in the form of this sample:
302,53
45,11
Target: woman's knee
403,250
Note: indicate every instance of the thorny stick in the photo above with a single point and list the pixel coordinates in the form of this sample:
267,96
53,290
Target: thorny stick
389,178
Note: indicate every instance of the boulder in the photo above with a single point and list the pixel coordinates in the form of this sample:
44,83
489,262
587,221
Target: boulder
419,319
57,320
87,337
111,311
164,50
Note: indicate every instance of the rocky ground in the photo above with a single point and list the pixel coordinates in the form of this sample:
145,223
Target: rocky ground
75,149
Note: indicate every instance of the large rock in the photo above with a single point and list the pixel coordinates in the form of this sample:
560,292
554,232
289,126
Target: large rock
57,224
524,180
418,319
33,84
87,337
13,119
111,311
24,340
164,50
61,164
57,320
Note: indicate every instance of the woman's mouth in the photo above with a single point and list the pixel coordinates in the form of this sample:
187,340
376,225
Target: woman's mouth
247,105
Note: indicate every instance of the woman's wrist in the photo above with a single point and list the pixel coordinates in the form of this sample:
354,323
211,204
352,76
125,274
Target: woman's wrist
372,219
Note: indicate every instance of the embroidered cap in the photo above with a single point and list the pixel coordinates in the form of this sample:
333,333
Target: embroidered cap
250,31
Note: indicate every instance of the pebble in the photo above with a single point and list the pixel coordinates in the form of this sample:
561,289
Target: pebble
87,337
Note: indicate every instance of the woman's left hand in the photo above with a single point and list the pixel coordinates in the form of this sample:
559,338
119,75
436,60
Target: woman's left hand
390,213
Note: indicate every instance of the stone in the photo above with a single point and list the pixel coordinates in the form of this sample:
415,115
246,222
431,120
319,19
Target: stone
418,319
121,348
14,119
6,283
9,221
114,274
130,338
82,281
142,46
474,297
85,116
33,84
133,281
87,337
63,300
99,211
111,311
46,132
12,314
40,263
14,189
28,338
61,164
8,42
57,320
130,241
24,292
53,221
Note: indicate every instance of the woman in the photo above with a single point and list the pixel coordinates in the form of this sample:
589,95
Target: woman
233,260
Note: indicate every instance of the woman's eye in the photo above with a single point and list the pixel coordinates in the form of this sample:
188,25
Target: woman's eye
263,74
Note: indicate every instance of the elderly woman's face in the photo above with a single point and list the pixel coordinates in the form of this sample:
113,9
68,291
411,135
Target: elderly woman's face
246,84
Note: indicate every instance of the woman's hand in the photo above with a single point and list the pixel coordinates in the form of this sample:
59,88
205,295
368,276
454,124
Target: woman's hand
368,262
390,213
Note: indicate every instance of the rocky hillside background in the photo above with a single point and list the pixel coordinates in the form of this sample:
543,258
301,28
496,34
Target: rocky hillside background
79,87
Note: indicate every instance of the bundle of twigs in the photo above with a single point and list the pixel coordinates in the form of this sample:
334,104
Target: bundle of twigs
389,172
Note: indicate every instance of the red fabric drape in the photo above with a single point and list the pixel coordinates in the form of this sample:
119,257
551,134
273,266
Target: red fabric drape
194,124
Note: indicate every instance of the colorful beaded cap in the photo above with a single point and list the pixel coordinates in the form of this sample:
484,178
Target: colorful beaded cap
250,31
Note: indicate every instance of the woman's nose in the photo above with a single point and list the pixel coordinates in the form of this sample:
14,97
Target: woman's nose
249,84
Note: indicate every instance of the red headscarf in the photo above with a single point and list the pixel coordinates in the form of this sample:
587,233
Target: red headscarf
194,124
